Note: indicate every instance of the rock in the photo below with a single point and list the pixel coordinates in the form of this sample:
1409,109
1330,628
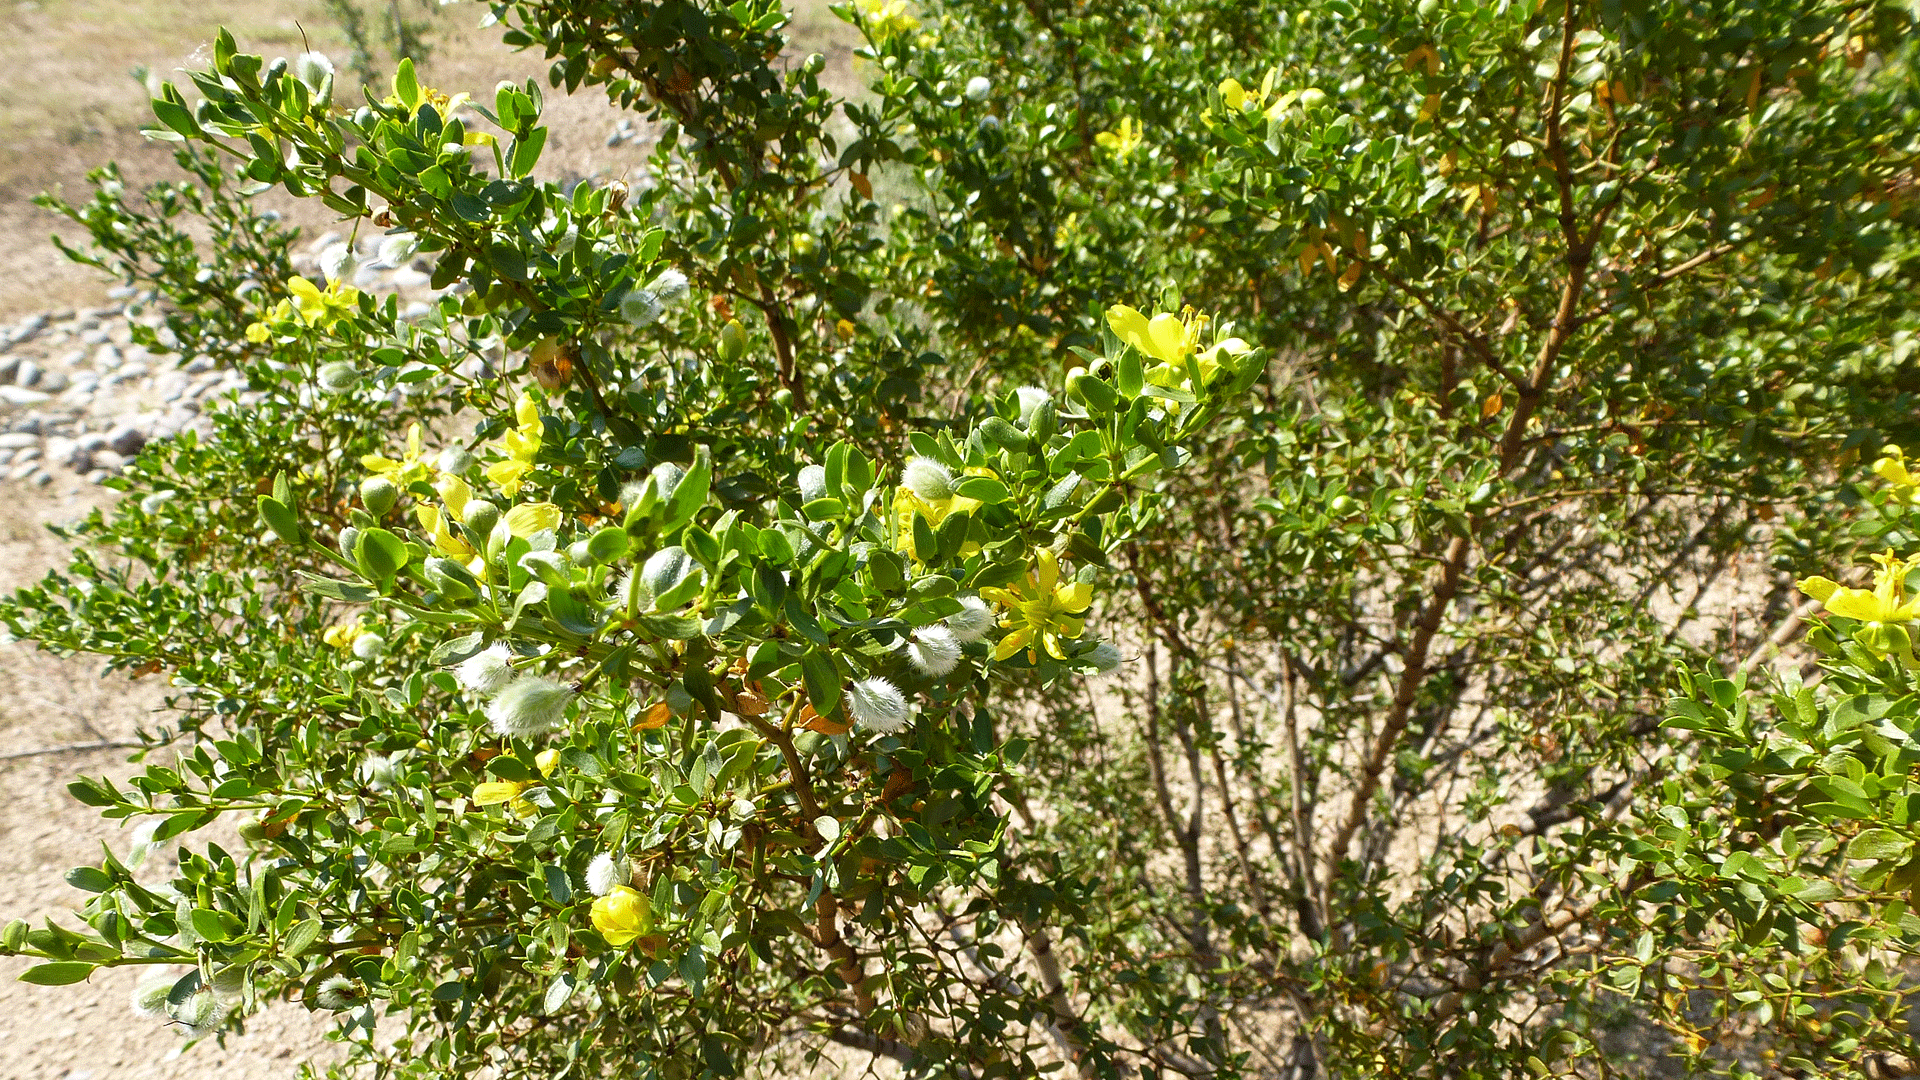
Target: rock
86,381
107,356
125,440
199,364
18,440
41,479
121,292
108,460
19,397
9,367
29,425
96,337
91,441
419,309
28,374
408,278
64,451
98,476
53,381
29,328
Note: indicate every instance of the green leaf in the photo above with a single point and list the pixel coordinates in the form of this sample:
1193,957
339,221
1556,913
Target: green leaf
1877,844
334,590
90,878
406,88
209,925
526,152
822,681
63,973
279,517
300,937
380,554
176,117
983,489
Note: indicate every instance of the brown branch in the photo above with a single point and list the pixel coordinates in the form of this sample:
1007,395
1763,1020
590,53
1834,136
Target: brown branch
847,965
73,748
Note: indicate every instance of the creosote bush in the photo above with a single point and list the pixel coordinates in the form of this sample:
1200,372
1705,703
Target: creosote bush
675,653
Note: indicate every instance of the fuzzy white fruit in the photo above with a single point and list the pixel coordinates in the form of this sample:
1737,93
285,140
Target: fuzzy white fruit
877,705
934,651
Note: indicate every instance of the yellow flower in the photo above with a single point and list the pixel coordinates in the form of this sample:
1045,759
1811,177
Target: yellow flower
547,759
1039,608
1123,140
521,445
1240,99
1892,467
906,504
885,18
1886,602
409,468
322,309
341,635
529,518
1172,340
622,915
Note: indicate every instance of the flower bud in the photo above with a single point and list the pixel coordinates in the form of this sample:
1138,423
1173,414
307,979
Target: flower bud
622,915
349,536
378,495
337,377
14,936
928,479
733,342
1312,96
978,88
528,706
664,571
312,68
369,646
1104,658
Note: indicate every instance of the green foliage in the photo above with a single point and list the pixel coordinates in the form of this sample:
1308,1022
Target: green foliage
724,685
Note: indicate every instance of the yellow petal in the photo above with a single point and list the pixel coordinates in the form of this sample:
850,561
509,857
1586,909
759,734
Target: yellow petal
428,516
497,791
380,466
547,759
1168,337
1074,597
509,475
413,443
1046,571
1012,643
529,518
1857,604
526,411
454,492
1817,587
1234,94
303,290
1894,472
1000,596
1129,326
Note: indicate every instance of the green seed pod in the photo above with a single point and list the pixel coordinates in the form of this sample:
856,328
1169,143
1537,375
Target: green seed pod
579,553
481,516
348,536
378,495
607,545
14,936
733,342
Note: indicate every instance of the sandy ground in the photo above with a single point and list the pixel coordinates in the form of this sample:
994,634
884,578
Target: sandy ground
86,1032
